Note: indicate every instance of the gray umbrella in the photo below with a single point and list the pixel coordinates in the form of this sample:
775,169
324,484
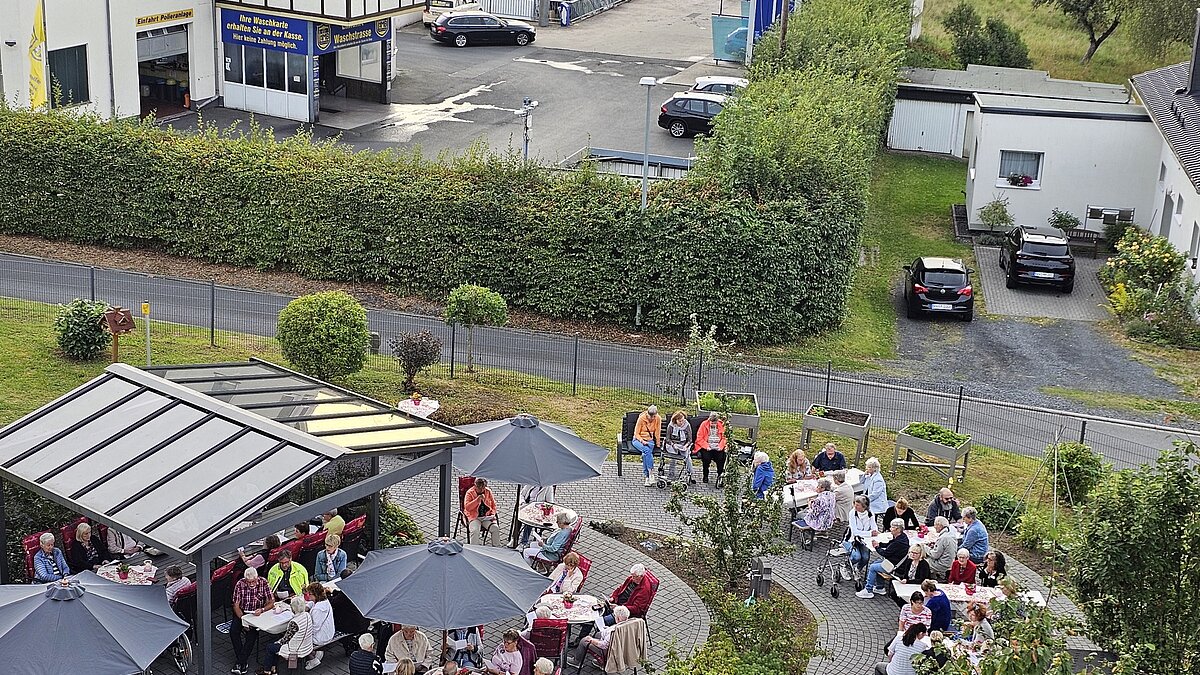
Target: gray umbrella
443,585
86,624
528,451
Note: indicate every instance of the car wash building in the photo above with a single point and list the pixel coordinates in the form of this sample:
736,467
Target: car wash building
283,60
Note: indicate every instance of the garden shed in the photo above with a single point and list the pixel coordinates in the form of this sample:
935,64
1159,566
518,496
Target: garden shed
935,108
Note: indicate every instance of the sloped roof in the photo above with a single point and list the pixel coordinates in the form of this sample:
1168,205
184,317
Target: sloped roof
1177,115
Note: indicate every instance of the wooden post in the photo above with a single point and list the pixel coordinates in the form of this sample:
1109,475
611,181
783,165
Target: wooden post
783,22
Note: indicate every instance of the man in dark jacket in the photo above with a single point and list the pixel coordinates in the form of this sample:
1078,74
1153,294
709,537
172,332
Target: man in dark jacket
943,505
892,553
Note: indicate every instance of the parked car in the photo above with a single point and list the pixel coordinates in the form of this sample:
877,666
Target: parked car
436,8
1037,254
938,286
690,112
720,84
479,28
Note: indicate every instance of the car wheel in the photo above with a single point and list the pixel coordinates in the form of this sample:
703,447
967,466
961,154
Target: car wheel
911,311
522,39
968,315
677,128
1067,288
1010,280
460,40
1001,258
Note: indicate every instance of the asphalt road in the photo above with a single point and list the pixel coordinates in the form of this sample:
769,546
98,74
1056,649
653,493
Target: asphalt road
1008,427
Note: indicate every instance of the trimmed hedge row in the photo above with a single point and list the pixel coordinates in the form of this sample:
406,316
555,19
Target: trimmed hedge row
761,242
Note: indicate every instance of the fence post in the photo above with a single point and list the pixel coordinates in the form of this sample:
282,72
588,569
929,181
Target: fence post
828,379
453,335
620,471
699,375
212,312
958,413
575,367
1082,430
92,283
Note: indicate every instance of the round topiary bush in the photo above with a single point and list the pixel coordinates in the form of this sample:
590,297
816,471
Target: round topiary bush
82,335
324,334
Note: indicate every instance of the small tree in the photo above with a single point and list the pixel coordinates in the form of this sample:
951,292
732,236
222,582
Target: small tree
990,43
995,214
1029,642
1063,220
1097,18
415,352
471,306
82,335
702,352
1079,469
324,334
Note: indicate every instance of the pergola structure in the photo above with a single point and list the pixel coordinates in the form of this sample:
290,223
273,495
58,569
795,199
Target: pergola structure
178,455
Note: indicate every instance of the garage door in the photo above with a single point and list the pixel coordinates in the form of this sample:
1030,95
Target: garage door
927,126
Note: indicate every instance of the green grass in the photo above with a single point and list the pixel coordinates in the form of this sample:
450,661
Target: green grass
1170,410
1055,45
909,217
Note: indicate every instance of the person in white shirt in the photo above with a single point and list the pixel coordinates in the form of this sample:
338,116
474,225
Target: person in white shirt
567,577
407,643
902,651
861,527
120,544
621,614
322,621
175,582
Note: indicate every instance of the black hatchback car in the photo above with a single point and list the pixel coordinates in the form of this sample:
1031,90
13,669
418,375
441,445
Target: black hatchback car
479,28
938,286
690,112
1038,254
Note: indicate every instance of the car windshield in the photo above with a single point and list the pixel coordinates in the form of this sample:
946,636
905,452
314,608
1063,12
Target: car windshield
1045,249
945,278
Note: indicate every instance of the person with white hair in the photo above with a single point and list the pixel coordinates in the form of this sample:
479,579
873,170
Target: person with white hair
874,487
364,660
893,552
332,523
945,544
543,666
711,445
963,571
635,594
251,595
647,436
551,548
49,563
764,474
601,640
297,639
843,494
541,612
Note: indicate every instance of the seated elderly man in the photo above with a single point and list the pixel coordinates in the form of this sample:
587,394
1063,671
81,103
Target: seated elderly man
843,494
829,459
551,548
820,513
944,505
408,643
945,546
975,537
634,594
620,615
892,553
49,564
364,661
287,577
332,523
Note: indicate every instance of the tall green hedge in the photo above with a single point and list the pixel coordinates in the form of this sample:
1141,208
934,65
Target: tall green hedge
761,242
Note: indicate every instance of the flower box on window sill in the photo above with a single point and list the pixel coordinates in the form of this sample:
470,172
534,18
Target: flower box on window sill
1005,185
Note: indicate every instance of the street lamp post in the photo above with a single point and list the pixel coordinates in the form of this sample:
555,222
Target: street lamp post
526,113
649,83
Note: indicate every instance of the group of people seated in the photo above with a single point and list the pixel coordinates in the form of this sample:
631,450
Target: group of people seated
708,443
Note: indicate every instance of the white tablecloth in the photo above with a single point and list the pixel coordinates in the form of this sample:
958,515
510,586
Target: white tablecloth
269,621
427,407
581,610
532,515
799,494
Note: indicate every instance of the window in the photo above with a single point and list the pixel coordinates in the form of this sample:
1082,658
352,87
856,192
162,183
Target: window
1021,164
297,66
1036,248
1162,172
714,108
68,76
233,63
253,57
276,70
695,106
1195,250
489,22
1179,205
945,278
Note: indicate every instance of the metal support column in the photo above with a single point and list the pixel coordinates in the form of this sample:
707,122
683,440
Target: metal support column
204,627
445,499
212,312
375,507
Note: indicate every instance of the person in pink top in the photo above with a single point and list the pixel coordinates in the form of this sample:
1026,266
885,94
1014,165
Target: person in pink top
914,612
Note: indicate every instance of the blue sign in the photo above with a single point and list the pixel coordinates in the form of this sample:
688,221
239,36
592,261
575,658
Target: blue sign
330,38
276,33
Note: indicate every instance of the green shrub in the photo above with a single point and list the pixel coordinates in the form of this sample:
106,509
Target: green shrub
82,335
1036,533
935,433
1063,220
732,403
1115,231
324,334
990,43
1143,260
415,352
1079,469
471,306
396,527
1000,511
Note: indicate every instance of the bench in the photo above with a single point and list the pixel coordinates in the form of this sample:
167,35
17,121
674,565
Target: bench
1085,238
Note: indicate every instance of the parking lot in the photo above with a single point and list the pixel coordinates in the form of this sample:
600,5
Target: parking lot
1085,303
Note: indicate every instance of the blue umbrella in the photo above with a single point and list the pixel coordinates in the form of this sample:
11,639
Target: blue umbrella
84,624
526,450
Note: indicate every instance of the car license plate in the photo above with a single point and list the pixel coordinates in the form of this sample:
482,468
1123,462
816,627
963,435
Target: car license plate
1043,275
939,306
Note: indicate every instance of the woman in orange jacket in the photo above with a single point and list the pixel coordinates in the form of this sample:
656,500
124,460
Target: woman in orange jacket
710,445
479,505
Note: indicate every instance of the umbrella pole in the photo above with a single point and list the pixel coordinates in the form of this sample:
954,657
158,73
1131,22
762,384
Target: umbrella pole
445,644
515,522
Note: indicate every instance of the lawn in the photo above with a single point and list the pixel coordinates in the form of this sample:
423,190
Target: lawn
1055,45
909,217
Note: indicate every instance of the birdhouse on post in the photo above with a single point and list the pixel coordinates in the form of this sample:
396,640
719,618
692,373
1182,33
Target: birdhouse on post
119,321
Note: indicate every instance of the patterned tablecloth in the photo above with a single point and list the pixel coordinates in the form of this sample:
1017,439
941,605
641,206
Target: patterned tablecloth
533,515
139,575
427,407
580,612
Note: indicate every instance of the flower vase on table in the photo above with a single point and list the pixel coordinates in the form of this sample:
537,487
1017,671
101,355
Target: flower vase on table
568,600
122,571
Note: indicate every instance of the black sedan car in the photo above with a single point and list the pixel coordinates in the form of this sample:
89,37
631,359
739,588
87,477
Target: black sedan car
479,28
690,112
938,286
1037,254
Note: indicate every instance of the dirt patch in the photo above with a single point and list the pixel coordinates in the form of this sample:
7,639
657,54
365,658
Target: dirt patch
374,295
840,415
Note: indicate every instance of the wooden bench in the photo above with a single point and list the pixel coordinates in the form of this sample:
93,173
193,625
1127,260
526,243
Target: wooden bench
1085,238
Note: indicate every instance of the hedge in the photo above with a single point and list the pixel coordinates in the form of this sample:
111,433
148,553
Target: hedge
761,241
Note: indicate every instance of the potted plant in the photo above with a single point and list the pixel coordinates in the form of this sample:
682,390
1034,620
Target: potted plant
839,422
1019,180
926,442
122,571
742,408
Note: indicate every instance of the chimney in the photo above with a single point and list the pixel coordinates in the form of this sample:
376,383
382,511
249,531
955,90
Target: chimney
1193,87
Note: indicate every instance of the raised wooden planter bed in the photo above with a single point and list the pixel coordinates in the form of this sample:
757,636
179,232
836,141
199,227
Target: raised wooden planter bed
840,422
746,421
924,453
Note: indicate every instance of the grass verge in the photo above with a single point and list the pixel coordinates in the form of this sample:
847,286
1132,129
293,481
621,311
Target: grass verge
1170,410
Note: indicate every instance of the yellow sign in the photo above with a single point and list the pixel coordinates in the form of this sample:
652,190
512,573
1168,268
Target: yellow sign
165,17
145,309
37,60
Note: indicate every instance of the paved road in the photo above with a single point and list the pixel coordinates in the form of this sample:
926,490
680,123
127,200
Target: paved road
1007,427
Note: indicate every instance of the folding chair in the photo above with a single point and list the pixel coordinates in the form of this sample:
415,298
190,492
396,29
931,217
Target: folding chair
602,656
464,483
549,638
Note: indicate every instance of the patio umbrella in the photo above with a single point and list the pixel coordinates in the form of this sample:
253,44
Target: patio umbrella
84,624
527,451
444,584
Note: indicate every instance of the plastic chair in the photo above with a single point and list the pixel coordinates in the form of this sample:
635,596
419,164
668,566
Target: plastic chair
352,536
549,638
585,564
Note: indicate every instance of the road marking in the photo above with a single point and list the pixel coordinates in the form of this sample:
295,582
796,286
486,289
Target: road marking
566,65
410,119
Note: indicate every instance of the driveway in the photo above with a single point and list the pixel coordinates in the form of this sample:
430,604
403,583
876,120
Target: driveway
1085,303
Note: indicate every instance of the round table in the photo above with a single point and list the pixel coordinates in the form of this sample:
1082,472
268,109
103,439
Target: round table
427,407
139,575
580,612
533,515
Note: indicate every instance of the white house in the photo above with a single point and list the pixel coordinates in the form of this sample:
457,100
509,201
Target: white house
935,108
1092,159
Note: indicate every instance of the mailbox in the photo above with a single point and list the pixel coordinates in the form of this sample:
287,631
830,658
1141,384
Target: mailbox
119,320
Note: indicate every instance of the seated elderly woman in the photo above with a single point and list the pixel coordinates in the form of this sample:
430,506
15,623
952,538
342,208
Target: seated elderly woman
820,513
507,659
567,577
532,620
764,474
49,564
297,640
551,548
621,614
331,560
963,570
914,569
543,666
87,552
798,467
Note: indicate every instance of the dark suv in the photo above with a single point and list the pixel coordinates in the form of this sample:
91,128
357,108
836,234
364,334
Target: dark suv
690,112
1038,254
938,286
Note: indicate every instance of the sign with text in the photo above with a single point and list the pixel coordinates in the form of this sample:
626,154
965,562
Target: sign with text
163,17
330,38
276,33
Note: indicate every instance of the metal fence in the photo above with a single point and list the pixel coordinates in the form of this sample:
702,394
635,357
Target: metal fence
197,314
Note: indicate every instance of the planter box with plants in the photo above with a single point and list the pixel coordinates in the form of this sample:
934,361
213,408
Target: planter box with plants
741,407
925,442
840,422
